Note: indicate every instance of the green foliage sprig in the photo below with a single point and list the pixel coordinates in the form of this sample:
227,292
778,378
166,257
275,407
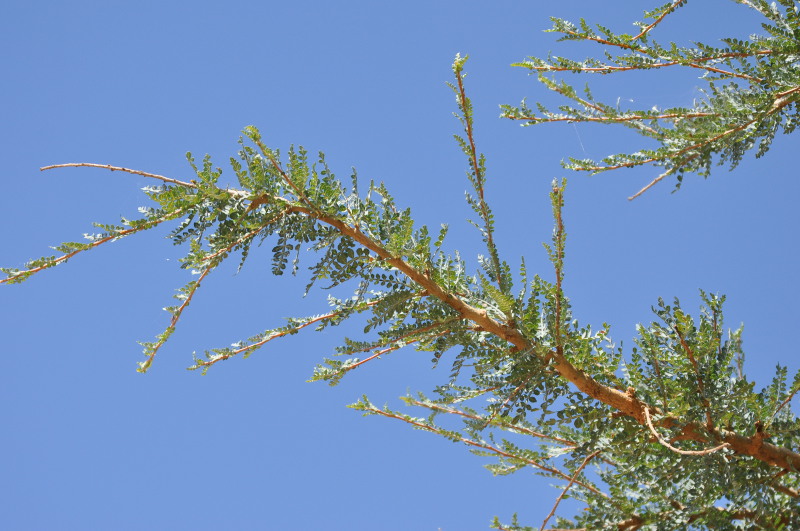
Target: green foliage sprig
752,89
673,435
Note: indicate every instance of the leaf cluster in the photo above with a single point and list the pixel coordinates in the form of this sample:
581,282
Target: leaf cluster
751,91
669,435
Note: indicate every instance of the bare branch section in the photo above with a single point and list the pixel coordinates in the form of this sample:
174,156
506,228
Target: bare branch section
120,168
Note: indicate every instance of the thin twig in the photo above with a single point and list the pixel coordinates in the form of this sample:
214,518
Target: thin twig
493,449
109,238
479,180
176,315
243,239
608,69
513,427
276,335
654,182
283,174
786,401
687,159
613,119
392,348
267,339
678,450
782,99
507,401
120,168
571,481
558,263
642,49
700,384
666,12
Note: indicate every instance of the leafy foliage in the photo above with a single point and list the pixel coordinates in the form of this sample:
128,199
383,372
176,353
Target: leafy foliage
751,93
670,435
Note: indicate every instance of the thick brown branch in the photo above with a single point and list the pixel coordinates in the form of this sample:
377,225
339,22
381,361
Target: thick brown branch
423,279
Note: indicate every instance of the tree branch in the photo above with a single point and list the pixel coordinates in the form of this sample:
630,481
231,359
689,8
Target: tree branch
625,402
678,450
666,12
571,481
111,237
120,168
481,445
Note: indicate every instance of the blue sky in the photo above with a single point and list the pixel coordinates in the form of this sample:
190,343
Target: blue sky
91,444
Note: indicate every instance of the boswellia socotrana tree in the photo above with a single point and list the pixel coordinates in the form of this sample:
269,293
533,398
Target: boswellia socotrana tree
670,434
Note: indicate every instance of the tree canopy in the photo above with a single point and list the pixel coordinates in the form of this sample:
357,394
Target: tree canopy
669,434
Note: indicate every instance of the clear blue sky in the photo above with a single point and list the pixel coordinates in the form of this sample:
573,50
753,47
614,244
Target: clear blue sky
88,443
